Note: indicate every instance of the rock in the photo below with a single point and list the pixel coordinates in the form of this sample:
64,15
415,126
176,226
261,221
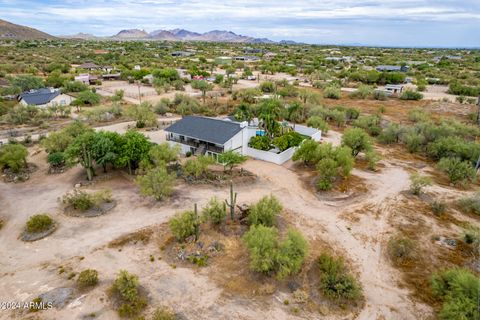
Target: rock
78,185
58,296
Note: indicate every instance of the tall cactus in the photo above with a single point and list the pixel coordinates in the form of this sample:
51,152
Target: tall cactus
233,201
197,222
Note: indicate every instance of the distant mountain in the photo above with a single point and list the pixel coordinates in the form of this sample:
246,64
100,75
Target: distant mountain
132,34
81,35
14,31
162,35
185,35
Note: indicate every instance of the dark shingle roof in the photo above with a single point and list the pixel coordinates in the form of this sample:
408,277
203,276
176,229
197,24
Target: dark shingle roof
206,129
40,96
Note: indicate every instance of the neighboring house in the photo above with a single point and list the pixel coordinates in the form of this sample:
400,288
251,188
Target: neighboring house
202,135
45,97
86,78
89,66
181,54
393,68
246,58
112,76
394,88
249,50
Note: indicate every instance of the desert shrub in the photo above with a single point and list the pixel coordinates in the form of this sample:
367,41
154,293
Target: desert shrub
335,281
370,124
380,95
352,113
215,211
454,147
401,250
357,140
262,244
13,156
459,290
418,115
411,95
143,115
339,117
265,211
39,223
332,92
372,158
83,201
471,235
156,182
362,92
391,134
126,287
260,143
198,166
418,182
327,169
438,207
288,140
267,87
183,225
163,314
56,159
471,204
458,171
413,141
291,254
87,278
318,123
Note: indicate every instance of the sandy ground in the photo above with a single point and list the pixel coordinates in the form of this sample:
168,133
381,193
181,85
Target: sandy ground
30,269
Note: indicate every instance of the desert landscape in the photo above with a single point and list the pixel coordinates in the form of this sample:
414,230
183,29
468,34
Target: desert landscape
175,174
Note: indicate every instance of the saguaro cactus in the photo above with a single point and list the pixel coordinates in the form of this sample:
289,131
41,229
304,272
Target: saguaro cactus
197,222
233,201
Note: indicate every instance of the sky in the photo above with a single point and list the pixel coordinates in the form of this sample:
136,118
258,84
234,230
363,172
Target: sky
411,23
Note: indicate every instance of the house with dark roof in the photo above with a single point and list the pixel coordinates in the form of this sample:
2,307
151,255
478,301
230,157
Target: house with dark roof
45,97
89,66
392,68
201,135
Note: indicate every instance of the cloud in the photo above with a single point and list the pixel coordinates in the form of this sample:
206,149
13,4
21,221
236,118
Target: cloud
304,20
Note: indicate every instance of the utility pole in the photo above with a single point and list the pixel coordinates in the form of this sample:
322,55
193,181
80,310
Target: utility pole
478,111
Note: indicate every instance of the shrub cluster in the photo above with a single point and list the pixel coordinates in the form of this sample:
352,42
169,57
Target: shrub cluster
39,223
126,287
87,278
335,281
269,255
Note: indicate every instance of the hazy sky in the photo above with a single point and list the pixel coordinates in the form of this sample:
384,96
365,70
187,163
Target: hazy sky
387,22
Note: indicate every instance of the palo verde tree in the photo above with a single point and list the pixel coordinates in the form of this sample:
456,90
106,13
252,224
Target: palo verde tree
230,159
81,151
357,140
13,156
203,86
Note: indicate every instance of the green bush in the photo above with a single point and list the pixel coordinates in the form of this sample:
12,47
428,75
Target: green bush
457,170
318,123
438,207
39,223
87,278
391,134
332,92
370,124
362,92
471,204
459,290
198,166
401,250
163,314
13,156
357,140
327,169
126,287
262,244
183,225
411,95
380,95
265,211
260,143
215,211
56,159
156,182
291,254
418,182
288,140
335,281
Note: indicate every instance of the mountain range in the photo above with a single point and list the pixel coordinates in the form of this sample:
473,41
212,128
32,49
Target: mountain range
185,35
14,31
10,30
